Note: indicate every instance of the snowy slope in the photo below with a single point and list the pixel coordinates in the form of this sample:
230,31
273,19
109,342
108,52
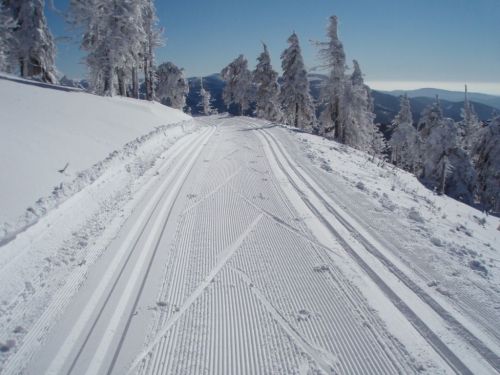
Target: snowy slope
45,127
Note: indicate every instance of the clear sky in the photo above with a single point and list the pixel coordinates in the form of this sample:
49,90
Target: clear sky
399,44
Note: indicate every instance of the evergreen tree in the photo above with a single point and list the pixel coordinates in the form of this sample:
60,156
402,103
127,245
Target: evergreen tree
238,84
268,89
7,24
404,116
469,126
299,108
406,147
152,40
488,165
432,117
205,100
457,170
333,58
119,37
172,87
33,46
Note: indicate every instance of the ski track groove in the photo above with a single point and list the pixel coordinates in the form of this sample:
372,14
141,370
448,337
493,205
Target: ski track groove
470,304
229,345
434,340
69,284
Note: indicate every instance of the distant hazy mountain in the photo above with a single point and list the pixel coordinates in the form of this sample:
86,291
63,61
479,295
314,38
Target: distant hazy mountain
452,96
386,104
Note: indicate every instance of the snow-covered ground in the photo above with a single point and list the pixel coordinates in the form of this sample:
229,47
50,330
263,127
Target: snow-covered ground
227,245
45,127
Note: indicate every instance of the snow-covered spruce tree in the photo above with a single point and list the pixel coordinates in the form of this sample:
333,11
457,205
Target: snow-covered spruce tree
151,42
333,58
406,147
298,103
7,24
267,105
457,172
469,126
172,87
487,165
205,100
114,35
404,115
32,45
432,117
238,87
405,143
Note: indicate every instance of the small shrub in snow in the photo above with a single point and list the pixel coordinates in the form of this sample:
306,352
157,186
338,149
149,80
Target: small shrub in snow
360,186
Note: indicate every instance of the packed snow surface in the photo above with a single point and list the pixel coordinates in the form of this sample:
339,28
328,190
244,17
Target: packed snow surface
45,127
226,245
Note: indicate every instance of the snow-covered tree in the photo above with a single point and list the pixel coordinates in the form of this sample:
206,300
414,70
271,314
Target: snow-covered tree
404,116
333,58
119,37
298,103
357,129
205,100
469,126
172,86
488,165
152,40
267,104
32,46
457,170
406,147
432,117
238,87
7,24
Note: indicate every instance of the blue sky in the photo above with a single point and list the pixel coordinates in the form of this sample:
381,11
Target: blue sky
399,44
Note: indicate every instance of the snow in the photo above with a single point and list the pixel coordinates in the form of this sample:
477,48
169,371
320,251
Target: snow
230,245
43,129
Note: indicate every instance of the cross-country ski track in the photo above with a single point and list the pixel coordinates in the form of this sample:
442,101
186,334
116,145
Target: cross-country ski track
237,255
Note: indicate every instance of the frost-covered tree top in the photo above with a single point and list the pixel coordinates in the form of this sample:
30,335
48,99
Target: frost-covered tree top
205,100
172,86
404,115
33,46
331,53
299,108
432,117
119,37
238,84
268,89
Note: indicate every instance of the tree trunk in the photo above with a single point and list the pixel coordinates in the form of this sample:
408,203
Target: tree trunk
121,82
240,109
296,120
146,78
107,81
135,83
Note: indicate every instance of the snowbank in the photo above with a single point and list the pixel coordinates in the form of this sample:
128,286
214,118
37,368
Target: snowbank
46,127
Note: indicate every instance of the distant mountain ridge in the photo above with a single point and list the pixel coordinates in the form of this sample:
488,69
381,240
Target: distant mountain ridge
452,96
386,105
